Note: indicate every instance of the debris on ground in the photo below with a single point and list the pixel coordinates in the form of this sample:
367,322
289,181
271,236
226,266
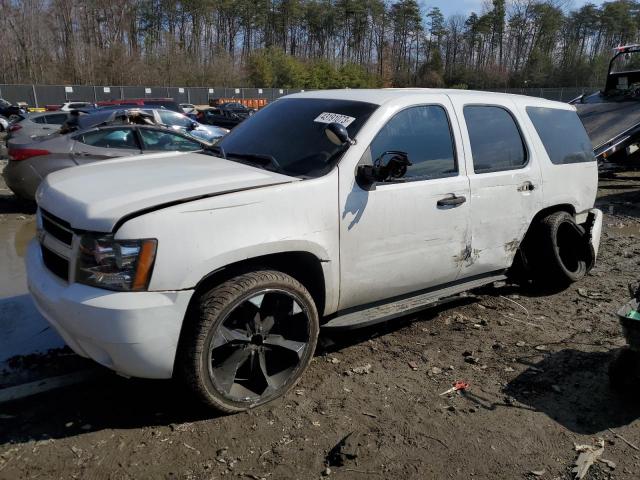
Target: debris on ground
360,370
588,455
457,387
583,292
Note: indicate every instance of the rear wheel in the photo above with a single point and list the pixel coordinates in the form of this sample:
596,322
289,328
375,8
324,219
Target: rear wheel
249,340
559,254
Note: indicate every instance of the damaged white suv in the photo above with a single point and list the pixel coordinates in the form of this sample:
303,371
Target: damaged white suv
332,209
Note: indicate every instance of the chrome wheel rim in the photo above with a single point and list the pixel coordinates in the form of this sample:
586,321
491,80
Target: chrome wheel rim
259,346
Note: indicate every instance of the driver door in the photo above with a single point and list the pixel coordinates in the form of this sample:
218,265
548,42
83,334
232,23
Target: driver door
406,235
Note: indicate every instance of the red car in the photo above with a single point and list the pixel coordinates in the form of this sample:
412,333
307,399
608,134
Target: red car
168,103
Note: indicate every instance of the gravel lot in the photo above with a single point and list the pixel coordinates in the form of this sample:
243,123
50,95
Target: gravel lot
537,368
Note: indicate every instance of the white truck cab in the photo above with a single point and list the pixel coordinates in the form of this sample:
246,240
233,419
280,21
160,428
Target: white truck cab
331,209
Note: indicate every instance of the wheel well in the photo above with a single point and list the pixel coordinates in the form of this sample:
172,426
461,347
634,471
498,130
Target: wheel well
303,266
528,241
564,207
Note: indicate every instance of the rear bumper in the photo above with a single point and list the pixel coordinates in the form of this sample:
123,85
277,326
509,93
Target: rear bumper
594,222
133,333
22,179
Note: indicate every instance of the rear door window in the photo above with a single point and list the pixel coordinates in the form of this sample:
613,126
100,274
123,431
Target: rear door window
41,119
167,141
496,142
562,134
111,138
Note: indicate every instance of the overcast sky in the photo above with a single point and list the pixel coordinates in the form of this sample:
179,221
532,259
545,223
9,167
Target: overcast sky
465,7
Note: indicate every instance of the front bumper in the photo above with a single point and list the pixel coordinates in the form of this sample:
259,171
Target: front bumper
133,333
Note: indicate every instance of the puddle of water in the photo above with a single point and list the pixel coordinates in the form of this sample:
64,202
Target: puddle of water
14,236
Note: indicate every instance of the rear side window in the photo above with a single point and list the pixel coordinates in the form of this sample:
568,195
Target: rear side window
117,138
562,135
496,143
57,119
168,141
174,119
424,134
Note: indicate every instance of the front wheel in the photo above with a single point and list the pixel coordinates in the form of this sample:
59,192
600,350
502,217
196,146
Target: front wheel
248,340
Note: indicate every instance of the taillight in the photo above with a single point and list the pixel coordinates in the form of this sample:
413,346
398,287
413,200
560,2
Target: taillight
15,128
17,154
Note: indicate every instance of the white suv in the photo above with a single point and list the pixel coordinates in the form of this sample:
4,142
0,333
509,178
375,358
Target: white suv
331,209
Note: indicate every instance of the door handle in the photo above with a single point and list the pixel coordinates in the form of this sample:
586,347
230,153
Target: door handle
452,201
526,187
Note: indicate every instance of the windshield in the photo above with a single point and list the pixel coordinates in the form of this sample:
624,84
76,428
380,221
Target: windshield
626,62
291,131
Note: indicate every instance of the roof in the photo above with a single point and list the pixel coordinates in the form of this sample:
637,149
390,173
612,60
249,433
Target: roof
384,95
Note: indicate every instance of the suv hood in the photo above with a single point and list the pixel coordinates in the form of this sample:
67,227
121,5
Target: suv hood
94,197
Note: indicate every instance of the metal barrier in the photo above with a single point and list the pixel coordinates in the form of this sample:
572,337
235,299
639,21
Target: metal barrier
41,95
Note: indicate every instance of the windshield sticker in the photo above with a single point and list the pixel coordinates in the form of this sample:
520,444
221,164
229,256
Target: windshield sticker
327,117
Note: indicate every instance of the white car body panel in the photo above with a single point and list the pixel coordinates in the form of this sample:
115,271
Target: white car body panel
95,196
134,333
208,213
500,211
396,232
217,231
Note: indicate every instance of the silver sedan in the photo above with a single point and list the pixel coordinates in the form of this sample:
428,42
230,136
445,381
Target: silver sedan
31,160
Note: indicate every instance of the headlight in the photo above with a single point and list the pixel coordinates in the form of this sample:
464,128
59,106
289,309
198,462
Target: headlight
115,264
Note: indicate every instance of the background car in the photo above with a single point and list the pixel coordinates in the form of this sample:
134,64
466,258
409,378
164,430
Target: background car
188,107
226,115
31,125
31,160
8,110
68,106
174,120
168,103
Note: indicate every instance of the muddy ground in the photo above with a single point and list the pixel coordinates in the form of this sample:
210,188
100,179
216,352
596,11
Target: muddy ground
537,368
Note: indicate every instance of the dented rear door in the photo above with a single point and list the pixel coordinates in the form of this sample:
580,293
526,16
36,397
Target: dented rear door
505,181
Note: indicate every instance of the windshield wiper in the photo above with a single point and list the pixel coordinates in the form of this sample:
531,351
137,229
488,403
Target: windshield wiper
260,159
217,149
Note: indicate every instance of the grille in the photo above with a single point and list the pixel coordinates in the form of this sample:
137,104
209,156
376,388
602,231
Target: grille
57,227
58,265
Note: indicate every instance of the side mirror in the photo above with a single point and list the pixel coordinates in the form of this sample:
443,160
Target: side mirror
395,168
337,134
192,126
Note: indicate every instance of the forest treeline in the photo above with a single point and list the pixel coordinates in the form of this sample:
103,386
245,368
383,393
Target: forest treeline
310,43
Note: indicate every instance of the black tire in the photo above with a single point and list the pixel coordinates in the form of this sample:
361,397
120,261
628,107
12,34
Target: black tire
229,350
559,256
